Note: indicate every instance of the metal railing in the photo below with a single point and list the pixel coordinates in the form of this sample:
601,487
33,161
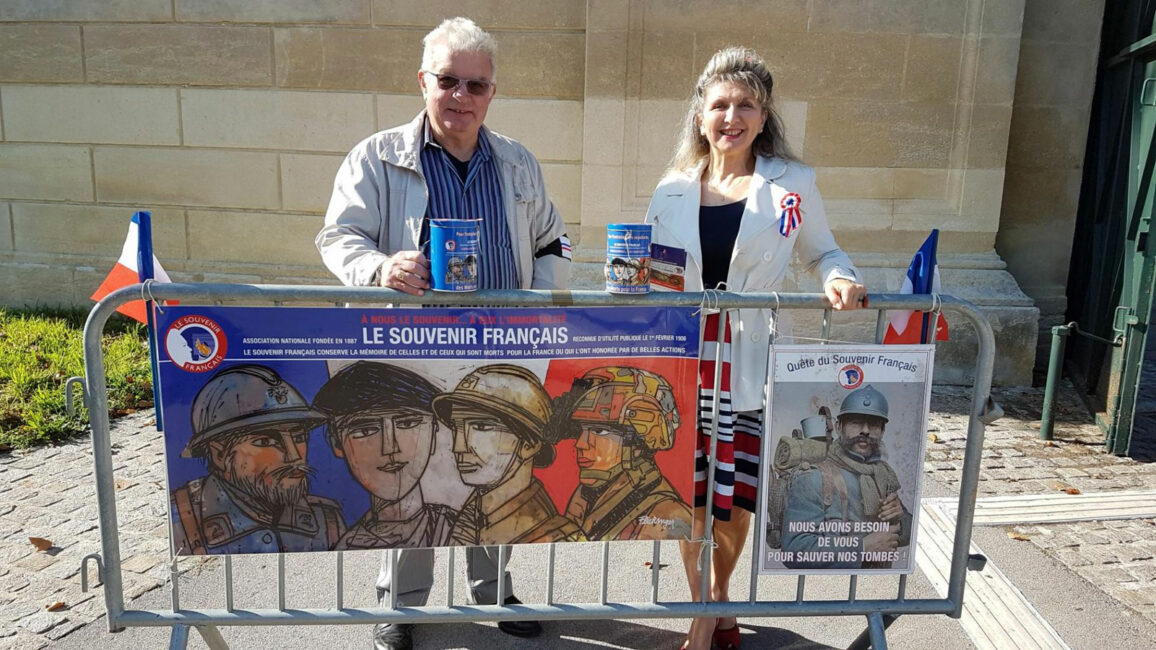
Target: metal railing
880,613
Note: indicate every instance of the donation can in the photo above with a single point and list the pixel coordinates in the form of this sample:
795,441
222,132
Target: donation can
628,258
454,250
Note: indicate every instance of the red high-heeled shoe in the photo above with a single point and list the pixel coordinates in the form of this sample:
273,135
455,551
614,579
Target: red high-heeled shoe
727,639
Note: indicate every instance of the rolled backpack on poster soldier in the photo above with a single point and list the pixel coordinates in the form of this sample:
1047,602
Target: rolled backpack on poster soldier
795,454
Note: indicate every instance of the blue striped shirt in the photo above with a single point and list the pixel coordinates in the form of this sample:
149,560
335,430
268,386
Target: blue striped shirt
478,197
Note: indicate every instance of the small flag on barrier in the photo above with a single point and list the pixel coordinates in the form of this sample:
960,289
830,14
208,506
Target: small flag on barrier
922,277
136,264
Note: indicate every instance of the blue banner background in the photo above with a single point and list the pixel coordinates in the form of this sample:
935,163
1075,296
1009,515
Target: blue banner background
300,343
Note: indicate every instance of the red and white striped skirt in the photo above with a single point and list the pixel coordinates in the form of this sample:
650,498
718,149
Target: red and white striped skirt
739,433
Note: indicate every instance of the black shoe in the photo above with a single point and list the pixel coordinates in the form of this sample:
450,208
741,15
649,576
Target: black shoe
395,636
523,629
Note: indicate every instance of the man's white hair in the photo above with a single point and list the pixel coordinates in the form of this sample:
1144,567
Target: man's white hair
460,35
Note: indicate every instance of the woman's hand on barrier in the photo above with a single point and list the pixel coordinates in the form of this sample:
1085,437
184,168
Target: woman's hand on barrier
846,294
405,271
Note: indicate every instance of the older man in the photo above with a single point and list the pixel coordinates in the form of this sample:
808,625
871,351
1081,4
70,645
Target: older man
445,164
252,428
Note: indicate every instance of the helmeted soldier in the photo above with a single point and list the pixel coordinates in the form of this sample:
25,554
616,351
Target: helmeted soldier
498,414
456,271
381,423
621,416
252,429
851,483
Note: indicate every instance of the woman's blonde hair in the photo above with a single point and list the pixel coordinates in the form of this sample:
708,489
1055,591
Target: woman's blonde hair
740,65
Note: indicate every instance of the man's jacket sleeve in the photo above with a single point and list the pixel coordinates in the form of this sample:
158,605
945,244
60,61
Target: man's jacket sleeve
548,237
350,241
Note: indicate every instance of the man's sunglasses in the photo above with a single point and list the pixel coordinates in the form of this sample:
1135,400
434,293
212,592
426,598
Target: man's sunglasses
452,83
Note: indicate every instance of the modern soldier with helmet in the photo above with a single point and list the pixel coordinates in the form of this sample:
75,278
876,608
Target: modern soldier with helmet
499,414
850,483
252,429
620,417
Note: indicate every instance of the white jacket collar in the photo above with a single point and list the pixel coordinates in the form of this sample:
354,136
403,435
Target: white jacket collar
687,187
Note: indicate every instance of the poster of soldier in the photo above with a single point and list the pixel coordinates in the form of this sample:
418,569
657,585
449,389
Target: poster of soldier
315,429
847,437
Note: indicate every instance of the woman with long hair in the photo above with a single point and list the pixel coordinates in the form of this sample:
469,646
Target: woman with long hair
739,204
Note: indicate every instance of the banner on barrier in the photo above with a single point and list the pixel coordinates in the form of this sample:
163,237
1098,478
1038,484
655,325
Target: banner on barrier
312,429
846,437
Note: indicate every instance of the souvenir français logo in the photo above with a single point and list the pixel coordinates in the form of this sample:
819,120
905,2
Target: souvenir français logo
850,376
451,245
196,343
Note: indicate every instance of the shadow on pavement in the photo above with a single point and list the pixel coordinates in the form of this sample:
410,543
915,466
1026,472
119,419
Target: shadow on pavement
584,635
759,636
556,635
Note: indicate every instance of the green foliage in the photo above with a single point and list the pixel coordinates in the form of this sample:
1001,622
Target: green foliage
40,350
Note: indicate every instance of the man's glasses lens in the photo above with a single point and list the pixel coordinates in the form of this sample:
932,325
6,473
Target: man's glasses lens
473,86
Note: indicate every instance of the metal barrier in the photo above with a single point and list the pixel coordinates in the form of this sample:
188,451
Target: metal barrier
880,613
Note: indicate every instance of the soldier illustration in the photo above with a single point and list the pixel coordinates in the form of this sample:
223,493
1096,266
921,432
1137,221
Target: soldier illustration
381,423
252,429
498,414
622,271
456,270
830,493
642,272
620,417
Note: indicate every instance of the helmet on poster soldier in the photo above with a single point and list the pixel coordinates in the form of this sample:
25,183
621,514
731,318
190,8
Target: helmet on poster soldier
633,401
244,398
511,392
865,401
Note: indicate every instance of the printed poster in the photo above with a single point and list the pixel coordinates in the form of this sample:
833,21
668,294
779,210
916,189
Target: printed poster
846,437
316,429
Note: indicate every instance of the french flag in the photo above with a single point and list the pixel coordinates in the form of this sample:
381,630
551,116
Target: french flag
136,264
922,277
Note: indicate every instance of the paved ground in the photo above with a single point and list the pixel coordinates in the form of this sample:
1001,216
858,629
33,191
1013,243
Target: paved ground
1115,556
1093,581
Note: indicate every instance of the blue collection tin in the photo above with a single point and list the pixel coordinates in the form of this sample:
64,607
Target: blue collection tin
454,250
628,258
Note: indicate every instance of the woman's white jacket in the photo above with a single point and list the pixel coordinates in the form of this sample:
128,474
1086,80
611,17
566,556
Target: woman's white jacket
760,259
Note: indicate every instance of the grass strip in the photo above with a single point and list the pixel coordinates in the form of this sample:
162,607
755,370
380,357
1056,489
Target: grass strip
39,350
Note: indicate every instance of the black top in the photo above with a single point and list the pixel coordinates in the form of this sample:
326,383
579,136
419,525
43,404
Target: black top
718,228
463,168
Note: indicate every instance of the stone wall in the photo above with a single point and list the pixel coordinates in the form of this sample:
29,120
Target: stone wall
227,118
1053,102
902,106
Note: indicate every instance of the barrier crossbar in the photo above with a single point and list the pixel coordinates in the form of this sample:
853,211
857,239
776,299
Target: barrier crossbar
880,613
